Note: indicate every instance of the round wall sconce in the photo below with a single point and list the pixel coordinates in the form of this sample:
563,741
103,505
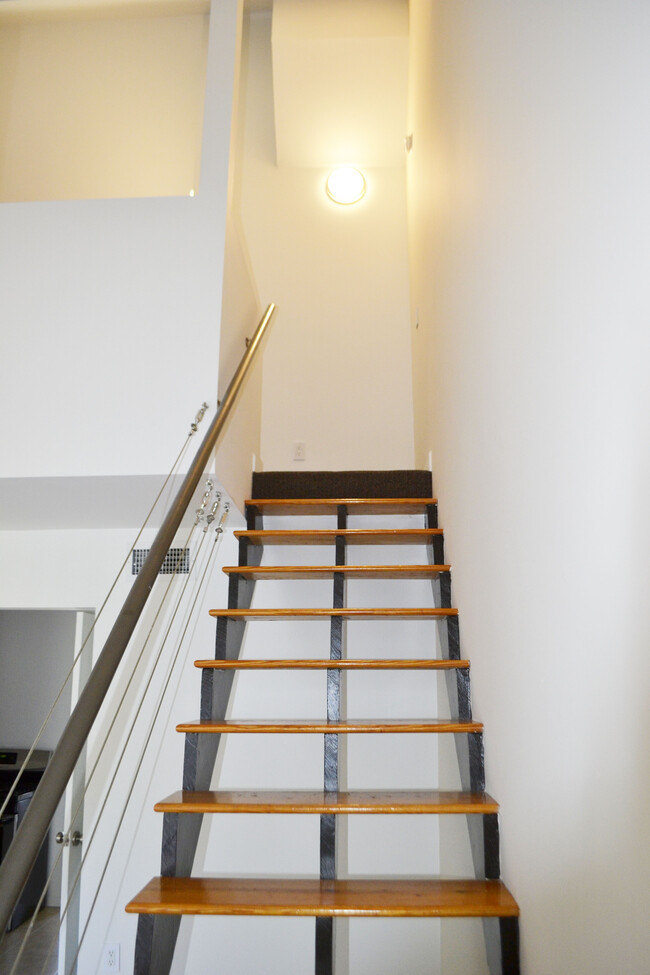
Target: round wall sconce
345,185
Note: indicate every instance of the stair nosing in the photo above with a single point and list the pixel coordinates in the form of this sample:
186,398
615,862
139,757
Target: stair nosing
376,897
323,507
309,502
350,532
370,612
350,802
327,570
315,726
309,663
327,536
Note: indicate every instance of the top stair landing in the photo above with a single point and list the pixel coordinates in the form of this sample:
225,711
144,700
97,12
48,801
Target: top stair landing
327,485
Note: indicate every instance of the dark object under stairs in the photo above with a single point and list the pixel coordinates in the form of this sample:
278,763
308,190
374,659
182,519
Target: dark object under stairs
163,902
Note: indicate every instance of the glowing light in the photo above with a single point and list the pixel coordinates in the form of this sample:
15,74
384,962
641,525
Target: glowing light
345,185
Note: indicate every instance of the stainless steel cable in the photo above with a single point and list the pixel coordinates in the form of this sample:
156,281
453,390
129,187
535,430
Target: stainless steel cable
193,428
25,940
210,517
199,514
152,724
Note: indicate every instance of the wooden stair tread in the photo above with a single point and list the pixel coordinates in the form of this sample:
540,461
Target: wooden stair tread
362,613
328,898
317,726
260,572
323,536
323,664
328,506
422,801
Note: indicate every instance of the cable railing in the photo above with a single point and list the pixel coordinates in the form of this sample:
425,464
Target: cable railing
23,852
208,513
68,677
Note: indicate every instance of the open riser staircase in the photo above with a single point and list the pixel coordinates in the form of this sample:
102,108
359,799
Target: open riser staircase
164,901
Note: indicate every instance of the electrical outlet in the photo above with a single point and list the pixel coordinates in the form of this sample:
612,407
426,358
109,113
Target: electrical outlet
299,450
111,958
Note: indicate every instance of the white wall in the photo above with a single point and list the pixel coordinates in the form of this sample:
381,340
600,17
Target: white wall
337,363
529,203
110,312
100,107
241,310
33,648
340,74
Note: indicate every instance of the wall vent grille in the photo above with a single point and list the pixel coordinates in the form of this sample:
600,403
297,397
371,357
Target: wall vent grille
177,560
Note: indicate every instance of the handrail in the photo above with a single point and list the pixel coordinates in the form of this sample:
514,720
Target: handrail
22,854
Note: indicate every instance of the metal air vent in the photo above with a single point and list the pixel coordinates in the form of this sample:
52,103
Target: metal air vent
177,560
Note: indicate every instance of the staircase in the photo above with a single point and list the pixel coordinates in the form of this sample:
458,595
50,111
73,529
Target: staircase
165,899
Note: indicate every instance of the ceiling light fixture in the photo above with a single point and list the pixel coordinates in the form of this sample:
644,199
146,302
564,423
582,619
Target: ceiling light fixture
345,185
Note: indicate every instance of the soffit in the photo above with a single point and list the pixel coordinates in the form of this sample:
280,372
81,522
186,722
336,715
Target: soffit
92,503
340,81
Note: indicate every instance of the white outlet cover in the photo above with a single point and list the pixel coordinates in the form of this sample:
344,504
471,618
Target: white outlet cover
111,958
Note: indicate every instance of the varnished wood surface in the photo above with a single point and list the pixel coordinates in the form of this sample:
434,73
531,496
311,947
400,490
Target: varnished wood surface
423,801
353,536
261,572
327,898
311,664
316,726
363,613
329,506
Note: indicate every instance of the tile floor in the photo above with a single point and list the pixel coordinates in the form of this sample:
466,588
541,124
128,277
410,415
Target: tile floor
42,939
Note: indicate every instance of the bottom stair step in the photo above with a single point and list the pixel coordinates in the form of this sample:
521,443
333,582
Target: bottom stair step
332,898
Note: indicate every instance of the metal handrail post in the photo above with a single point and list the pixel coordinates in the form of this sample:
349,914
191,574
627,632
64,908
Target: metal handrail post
22,854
